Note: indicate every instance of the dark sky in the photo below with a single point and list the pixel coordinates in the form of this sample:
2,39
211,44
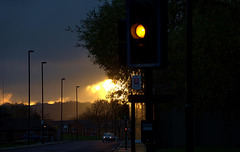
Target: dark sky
40,26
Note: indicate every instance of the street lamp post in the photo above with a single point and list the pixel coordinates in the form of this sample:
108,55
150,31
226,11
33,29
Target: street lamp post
77,110
29,52
61,103
42,122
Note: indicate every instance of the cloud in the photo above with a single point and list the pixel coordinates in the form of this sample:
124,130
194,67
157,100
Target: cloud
6,98
66,99
101,89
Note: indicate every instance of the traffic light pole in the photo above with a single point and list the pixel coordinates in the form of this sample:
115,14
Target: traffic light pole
188,105
133,148
150,147
148,93
145,49
125,132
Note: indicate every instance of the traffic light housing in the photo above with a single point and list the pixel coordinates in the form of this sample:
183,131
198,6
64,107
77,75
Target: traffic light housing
146,35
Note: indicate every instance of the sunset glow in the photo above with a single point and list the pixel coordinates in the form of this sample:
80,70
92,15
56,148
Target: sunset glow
101,89
66,99
51,102
91,93
7,98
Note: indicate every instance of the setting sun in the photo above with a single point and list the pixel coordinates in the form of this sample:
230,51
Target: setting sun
108,85
97,87
101,89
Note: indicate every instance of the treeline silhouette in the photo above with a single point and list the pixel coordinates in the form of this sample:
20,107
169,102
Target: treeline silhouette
53,111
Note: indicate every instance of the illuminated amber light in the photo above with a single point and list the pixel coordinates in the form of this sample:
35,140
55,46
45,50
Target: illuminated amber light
140,31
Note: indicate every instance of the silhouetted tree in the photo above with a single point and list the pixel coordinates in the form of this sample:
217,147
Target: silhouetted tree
216,49
106,115
13,111
216,45
98,113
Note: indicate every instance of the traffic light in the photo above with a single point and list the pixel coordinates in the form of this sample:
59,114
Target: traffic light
146,33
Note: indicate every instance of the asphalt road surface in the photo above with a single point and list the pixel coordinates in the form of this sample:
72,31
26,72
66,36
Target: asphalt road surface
76,146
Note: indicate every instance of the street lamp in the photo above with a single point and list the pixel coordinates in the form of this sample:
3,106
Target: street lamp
77,102
77,109
42,122
29,52
61,103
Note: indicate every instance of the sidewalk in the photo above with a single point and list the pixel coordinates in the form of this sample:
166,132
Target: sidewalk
122,148
139,147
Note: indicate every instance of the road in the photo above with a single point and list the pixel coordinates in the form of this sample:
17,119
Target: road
76,146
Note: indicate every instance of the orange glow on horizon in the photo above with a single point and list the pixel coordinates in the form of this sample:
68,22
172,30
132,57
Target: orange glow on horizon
103,88
7,98
92,92
51,102
32,103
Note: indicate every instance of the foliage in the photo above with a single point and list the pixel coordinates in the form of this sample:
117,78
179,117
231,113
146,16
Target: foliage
216,56
99,34
105,114
216,48
11,111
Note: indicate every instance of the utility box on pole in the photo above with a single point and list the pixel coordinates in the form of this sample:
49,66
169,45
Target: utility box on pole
147,131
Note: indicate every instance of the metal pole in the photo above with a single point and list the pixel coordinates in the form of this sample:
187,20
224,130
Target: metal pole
149,105
29,138
42,122
61,103
133,148
125,131
3,89
2,97
77,110
188,105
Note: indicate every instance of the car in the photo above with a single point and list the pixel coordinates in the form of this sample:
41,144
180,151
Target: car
108,137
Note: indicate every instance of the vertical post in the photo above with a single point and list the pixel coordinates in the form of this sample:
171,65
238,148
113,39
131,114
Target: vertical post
133,149
77,110
188,105
125,131
61,103
3,89
29,100
42,122
149,94
2,97
149,104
